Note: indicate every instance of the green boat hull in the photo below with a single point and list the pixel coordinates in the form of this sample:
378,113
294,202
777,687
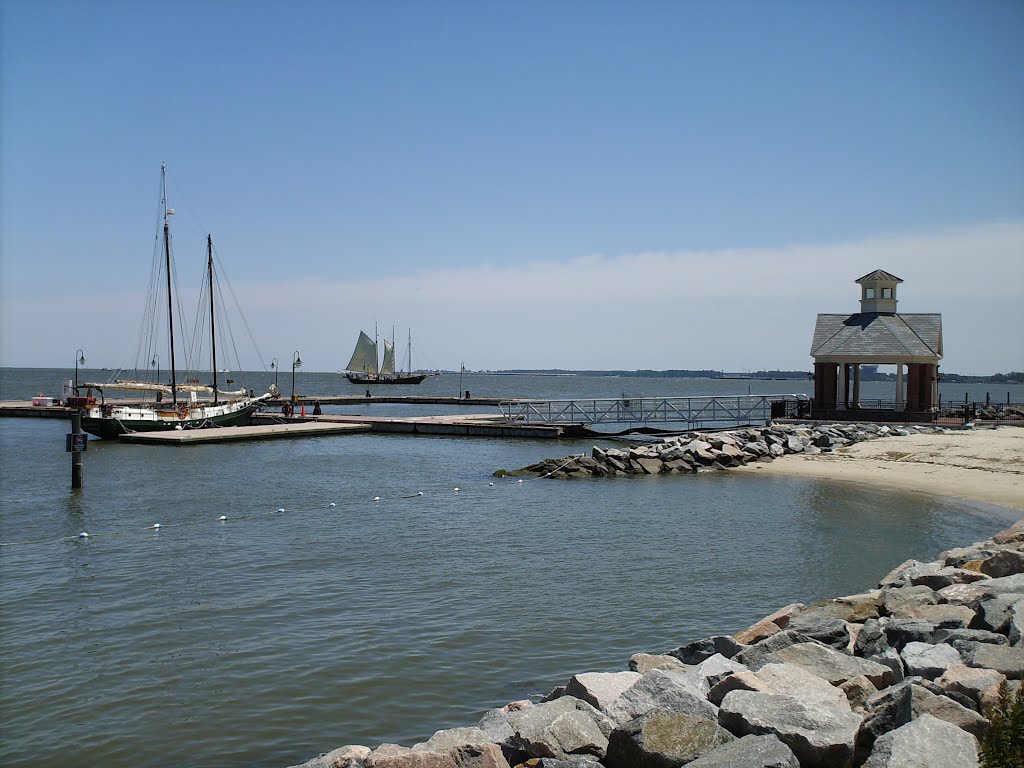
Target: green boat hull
110,428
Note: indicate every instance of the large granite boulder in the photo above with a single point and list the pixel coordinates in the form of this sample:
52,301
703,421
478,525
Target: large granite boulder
715,667
599,689
495,721
1002,658
349,756
754,656
662,690
995,613
469,756
698,650
942,616
822,625
454,737
924,702
756,632
899,632
928,660
1004,563
764,751
927,741
645,662
833,666
561,729
969,681
820,737
883,712
796,681
663,739
897,601
738,681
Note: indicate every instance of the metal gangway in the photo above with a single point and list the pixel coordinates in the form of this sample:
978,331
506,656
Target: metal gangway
695,412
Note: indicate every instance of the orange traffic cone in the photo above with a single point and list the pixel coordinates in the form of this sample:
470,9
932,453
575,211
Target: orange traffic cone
303,409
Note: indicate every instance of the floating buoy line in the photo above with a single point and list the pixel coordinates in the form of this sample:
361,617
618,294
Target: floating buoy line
156,527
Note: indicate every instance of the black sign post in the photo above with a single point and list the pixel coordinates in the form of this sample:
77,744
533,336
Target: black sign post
76,444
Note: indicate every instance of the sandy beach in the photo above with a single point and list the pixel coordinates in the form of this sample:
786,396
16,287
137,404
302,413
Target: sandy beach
984,465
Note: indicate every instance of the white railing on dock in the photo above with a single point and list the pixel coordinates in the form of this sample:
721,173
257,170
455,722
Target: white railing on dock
694,411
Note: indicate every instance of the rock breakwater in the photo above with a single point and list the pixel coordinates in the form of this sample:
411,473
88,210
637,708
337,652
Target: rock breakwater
900,675
707,451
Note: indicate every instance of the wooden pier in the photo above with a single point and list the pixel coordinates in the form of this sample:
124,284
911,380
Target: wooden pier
234,434
269,425
465,425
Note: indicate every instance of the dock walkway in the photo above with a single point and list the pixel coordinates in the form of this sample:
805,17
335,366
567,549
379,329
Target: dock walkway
233,434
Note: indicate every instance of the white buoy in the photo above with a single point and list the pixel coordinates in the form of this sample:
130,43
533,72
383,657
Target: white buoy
280,509
376,498
332,504
156,526
222,518
419,493
520,480
83,535
490,485
456,489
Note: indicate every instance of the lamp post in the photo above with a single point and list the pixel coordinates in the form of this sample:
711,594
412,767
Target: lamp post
296,363
275,367
79,358
155,362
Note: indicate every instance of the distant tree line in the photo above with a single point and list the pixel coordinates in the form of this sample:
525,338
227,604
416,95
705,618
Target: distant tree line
1013,377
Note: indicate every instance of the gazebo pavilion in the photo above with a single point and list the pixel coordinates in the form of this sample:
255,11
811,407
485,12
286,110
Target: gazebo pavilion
877,335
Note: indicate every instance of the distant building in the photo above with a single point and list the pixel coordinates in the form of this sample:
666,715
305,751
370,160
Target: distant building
877,335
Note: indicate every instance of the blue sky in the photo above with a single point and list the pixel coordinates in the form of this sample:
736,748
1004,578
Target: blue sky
564,184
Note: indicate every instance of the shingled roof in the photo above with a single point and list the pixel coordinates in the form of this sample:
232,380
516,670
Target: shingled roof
870,335
879,274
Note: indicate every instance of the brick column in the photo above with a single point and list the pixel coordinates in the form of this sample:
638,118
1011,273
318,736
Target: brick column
913,386
928,375
825,384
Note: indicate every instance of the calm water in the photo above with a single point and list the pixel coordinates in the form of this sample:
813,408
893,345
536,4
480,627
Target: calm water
272,636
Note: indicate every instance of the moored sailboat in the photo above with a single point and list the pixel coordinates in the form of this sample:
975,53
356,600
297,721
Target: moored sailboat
185,410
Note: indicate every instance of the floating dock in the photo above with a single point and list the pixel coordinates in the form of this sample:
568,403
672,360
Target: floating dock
466,425
234,434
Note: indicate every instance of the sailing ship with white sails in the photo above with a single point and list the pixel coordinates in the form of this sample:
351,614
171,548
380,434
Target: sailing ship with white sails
177,405
363,367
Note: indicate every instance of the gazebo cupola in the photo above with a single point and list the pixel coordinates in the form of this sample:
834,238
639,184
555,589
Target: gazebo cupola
878,292
877,335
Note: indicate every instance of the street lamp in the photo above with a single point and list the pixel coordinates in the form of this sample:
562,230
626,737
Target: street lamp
296,363
79,358
155,362
275,367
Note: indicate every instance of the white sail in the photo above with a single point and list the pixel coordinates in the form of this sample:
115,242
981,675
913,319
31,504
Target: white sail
388,368
149,386
137,386
364,358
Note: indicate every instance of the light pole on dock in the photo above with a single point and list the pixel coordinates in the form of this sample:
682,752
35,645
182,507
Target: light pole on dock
79,358
275,367
296,363
155,362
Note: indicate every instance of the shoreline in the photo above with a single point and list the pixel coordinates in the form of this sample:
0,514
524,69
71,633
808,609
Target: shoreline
984,466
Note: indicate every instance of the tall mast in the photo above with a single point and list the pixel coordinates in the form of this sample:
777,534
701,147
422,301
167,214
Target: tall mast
170,302
409,357
213,330
376,357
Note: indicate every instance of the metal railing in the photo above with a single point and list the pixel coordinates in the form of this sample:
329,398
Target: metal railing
693,411
951,413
